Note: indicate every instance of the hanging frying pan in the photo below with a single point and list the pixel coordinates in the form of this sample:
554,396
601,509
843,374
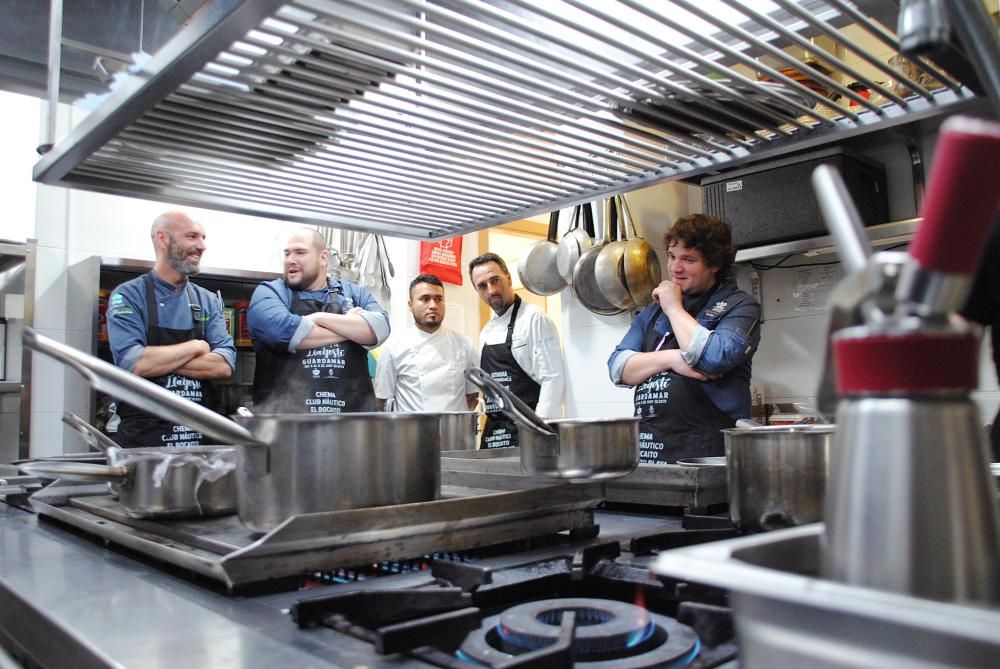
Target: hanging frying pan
575,241
584,276
537,267
641,264
609,268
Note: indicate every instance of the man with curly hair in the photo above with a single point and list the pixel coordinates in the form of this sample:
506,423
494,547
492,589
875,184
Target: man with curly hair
688,353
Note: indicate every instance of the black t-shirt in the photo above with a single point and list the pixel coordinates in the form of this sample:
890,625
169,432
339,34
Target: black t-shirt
983,303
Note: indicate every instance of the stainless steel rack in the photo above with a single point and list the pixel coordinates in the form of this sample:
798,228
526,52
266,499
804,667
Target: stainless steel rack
427,118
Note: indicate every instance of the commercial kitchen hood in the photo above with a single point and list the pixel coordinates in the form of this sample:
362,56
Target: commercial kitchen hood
428,118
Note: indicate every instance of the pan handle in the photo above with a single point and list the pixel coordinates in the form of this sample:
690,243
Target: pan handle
77,471
91,434
141,393
512,406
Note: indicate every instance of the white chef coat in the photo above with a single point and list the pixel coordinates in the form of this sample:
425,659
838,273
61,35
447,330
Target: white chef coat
425,371
535,345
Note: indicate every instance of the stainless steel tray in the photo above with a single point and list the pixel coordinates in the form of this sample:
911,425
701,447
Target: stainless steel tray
223,550
788,617
695,488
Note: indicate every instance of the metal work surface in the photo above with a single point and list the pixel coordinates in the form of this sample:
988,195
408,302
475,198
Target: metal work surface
427,119
789,617
223,550
69,601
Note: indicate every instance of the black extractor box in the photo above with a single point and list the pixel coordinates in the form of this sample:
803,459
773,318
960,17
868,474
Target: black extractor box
775,202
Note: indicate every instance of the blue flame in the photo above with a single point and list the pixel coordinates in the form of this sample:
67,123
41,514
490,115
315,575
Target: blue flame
688,657
640,635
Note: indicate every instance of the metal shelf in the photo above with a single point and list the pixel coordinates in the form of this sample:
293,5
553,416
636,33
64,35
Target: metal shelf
115,263
10,387
428,118
882,235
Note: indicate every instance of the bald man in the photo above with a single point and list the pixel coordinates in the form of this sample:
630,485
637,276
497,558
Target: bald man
170,331
312,334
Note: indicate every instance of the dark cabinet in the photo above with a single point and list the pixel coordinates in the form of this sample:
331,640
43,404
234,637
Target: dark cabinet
234,287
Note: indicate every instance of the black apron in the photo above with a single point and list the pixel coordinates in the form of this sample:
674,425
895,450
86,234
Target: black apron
139,429
678,418
329,379
497,360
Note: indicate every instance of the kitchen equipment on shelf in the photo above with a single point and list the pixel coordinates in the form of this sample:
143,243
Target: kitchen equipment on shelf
574,449
576,241
537,268
585,283
911,507
777,474
292,464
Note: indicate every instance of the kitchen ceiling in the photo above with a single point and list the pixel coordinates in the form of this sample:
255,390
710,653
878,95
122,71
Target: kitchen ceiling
427,119
99,38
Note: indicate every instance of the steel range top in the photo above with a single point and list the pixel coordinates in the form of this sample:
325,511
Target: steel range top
581,595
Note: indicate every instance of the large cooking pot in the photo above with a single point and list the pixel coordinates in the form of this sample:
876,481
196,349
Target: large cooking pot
566,449
777,474
458,430
292,464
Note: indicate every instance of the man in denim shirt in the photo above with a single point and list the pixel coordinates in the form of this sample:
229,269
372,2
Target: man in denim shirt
688,353
312,334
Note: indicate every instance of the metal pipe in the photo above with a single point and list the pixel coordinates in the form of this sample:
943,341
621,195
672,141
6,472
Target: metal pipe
55,65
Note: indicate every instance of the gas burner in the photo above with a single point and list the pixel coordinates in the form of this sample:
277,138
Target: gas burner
609,634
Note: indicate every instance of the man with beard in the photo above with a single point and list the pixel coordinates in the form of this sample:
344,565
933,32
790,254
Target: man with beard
518,348
312,333
170,331
688,353
423,369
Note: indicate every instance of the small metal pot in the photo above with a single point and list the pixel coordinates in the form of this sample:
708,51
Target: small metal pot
160,482
777,475
566,449
458,430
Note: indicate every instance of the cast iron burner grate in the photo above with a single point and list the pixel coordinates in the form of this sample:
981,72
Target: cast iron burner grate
608,634
441,622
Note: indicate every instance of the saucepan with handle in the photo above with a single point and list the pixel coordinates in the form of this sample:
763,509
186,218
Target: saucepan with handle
566,449
154,482
291,464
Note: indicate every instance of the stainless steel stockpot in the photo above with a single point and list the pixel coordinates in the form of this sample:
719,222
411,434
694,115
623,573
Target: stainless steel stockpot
292,464
458,430
777,474
336,462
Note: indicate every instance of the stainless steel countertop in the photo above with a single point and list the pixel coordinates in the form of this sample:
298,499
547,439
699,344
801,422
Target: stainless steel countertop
70,601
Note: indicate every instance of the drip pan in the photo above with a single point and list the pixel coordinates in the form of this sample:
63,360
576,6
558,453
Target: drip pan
788,617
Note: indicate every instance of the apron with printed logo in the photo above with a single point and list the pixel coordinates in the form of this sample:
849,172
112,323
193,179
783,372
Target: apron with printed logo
497,360
328,379
139,429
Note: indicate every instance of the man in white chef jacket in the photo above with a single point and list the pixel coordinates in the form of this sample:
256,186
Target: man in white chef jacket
518,348
423,369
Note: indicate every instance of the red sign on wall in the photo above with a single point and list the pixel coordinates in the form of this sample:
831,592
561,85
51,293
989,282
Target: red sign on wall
443,259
